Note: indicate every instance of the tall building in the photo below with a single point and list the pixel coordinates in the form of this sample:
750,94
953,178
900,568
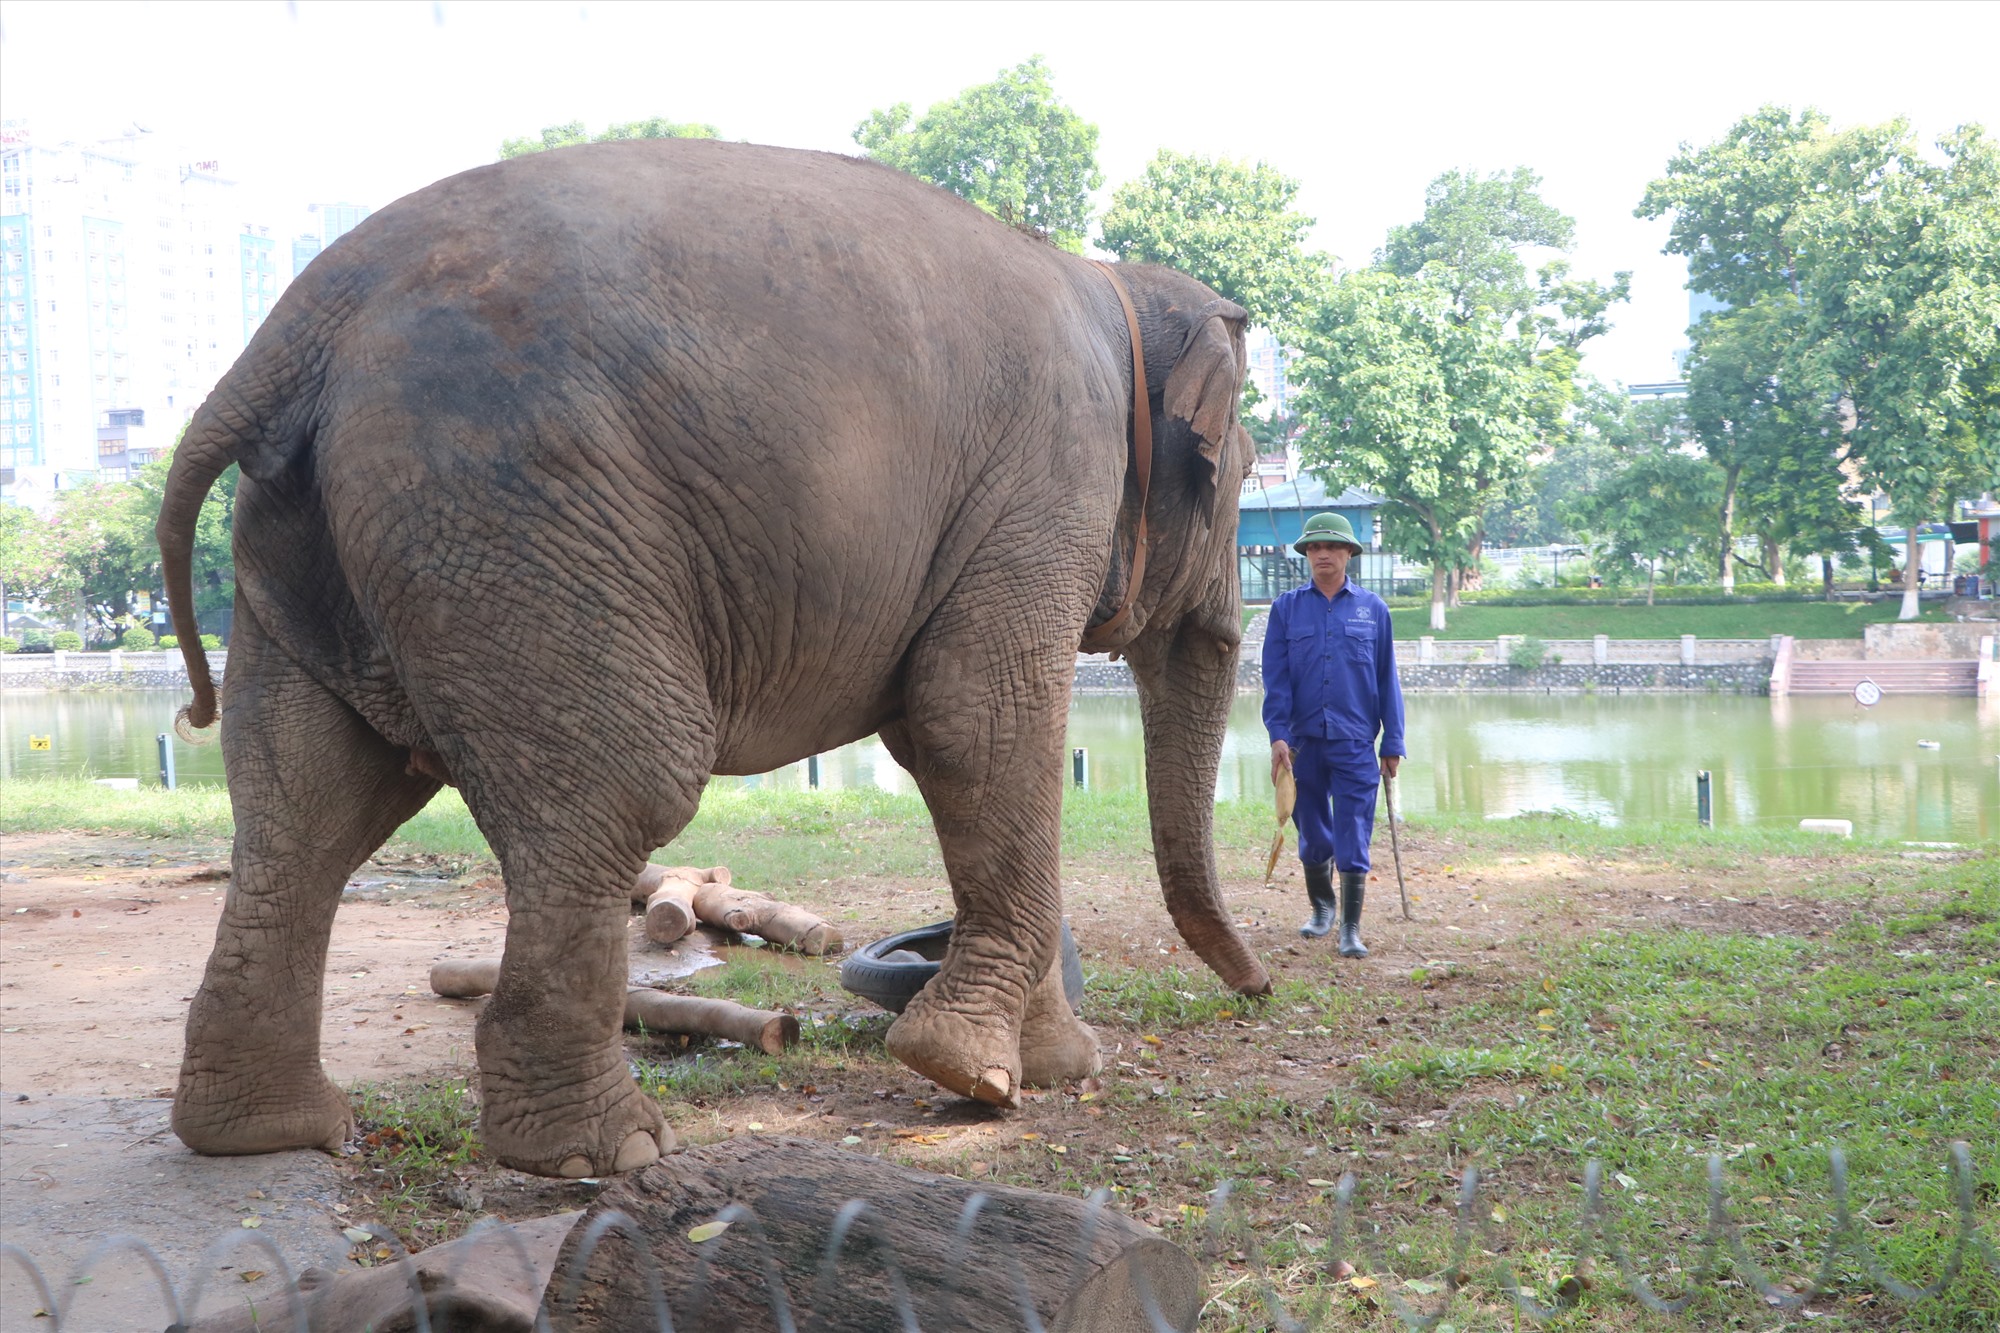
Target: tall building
131,281
1267,372
305,248
339,219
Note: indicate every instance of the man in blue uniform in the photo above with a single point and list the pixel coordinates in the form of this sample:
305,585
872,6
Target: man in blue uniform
1330,689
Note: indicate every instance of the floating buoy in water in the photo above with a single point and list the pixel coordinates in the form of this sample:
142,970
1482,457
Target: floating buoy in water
1929,745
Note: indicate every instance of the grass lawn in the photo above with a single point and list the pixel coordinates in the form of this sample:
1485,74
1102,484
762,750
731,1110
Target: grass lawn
1641,997
1805,620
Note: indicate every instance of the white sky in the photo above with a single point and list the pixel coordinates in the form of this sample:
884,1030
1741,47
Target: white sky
324,100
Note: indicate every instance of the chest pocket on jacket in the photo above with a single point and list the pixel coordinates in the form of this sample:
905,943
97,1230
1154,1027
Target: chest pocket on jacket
1361,639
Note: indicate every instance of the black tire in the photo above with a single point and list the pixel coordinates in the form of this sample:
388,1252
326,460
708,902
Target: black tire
893,983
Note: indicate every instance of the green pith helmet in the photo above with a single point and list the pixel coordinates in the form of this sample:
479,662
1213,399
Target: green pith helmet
1327,528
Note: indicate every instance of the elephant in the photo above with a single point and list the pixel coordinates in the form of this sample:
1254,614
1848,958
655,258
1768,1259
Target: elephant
726,455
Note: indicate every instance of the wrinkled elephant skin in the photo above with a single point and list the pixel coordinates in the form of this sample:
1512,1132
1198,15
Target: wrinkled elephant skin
719,454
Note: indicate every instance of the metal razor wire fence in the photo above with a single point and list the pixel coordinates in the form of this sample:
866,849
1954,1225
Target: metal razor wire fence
856,1239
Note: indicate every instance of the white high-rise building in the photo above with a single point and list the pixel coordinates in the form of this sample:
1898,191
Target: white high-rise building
132,277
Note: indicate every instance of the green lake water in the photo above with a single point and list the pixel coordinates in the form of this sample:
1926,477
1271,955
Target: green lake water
1617,757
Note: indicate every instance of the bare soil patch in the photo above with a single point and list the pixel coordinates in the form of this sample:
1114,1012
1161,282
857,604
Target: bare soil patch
103,941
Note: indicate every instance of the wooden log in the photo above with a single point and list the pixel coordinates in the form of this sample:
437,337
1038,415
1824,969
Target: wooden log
669,905
783,924
657,1011
649,879
1077,1284
465,978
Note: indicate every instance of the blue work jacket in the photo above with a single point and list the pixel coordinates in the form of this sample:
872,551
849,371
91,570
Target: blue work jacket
1330,668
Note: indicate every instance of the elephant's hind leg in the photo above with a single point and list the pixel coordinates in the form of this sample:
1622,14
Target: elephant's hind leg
572,800
315,790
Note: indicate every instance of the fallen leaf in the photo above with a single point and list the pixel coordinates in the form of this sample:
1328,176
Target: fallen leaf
1319,1184
754,1126
1361,1282
251,1274
851,1140
253,1222
707,1231
357,1234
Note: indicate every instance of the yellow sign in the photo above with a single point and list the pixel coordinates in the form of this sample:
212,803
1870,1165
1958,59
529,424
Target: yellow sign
38,742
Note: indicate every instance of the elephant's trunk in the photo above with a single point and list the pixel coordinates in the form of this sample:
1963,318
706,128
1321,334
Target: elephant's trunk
200,459
1186,685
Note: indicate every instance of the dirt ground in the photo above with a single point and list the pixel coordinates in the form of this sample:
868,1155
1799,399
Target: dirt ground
102,943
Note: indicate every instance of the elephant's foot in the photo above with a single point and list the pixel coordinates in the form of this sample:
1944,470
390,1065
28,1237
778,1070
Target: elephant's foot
602,1128
240,1114
1056,1045
973,1057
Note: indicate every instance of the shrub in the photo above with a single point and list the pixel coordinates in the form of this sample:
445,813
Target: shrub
1528,654
168,643
9,644
212,642
66,641
138,639
35,638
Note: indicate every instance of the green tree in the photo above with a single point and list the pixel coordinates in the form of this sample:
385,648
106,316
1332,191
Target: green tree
1586,455
573,132
1010,146
1892,259
1656,506
1471,236
1748,403
1404,397
1471,242
1228,224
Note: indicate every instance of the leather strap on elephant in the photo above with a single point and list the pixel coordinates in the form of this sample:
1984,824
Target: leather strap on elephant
1104,637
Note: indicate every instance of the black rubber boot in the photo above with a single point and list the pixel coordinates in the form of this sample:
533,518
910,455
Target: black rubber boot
1319,889
1353,883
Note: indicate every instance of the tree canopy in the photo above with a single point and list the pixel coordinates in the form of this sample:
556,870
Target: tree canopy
1228,224
574,132
1878,268
1430,411
1010,146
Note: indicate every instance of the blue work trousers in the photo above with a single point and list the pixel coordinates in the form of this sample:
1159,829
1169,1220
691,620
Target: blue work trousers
1335,814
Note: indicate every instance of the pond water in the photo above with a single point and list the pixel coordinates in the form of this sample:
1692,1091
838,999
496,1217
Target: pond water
1616,757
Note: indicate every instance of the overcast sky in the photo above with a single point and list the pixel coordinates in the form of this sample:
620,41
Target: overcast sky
323,100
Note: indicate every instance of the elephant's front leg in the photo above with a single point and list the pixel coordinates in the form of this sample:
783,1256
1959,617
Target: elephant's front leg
990,770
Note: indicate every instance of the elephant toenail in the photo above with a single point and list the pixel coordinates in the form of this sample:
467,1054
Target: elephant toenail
638,1149
574,1167
996,1088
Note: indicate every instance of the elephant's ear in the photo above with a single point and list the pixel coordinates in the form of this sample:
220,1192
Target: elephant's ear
1202,387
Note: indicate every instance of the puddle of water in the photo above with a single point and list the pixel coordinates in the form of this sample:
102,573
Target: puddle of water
650,964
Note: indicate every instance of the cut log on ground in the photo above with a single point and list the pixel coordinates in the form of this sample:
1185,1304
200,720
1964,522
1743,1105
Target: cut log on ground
1077,1283
668,897
465,978
649,878
645,1009
749,913
657,1011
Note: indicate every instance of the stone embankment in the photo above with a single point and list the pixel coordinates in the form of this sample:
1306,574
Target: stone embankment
1569,666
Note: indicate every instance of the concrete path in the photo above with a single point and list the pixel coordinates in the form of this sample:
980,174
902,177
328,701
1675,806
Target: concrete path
75,1171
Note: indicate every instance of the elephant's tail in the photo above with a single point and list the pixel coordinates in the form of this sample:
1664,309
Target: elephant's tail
205,450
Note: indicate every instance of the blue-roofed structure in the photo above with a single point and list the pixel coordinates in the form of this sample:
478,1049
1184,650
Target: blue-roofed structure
1270,519
1276,515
